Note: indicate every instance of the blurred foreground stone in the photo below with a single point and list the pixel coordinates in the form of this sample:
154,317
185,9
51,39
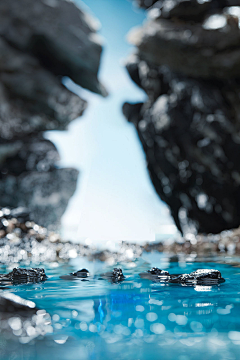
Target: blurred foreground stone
187,60
40,43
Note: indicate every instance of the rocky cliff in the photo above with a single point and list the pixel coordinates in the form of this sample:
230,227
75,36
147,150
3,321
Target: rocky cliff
187,60
41,41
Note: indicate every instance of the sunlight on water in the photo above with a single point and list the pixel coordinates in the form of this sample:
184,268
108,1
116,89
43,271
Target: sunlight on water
136,319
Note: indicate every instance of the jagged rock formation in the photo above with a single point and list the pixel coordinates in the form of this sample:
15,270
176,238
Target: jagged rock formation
40,43
187,61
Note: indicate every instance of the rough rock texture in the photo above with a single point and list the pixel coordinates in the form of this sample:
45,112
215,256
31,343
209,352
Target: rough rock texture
116,276
40,43
24,276
198,277
80,274
187,61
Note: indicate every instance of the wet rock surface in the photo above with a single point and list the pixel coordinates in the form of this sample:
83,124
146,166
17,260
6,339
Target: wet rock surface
80,274
116,276
40,44
198,277
24,276
156,274
187,62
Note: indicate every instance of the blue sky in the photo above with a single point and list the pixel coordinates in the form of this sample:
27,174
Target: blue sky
115,199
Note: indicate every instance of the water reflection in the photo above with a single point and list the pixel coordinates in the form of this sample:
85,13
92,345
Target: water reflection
100,319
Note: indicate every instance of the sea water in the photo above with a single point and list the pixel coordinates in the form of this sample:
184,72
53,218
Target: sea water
136,319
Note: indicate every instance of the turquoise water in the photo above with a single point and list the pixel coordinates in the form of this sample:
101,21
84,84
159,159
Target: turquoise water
137,319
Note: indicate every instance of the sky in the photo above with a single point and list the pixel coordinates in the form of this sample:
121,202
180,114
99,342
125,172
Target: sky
115,199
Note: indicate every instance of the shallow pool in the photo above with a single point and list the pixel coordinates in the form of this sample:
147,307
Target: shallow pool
137,319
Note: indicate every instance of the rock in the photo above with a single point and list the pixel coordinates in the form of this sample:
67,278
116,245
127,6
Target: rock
48,201
189,125
116,276
157,271
145,3
58,34
26,155
192,10
21,320
32,98
156,274
24,276
40,44
80,274
198,277
13,304
28,164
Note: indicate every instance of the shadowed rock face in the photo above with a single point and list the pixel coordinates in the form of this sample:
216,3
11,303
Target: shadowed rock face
189,126
40,43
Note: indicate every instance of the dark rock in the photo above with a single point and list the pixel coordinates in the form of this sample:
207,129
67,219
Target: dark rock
199,277
23,314
156,274
48,201
40,44
156,271
24,276
145,3
29,178
189,125
115,276
57,33
188,10
31,98
27,154
13,304
80,274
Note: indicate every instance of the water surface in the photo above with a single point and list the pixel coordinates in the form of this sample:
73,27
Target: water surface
137,319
